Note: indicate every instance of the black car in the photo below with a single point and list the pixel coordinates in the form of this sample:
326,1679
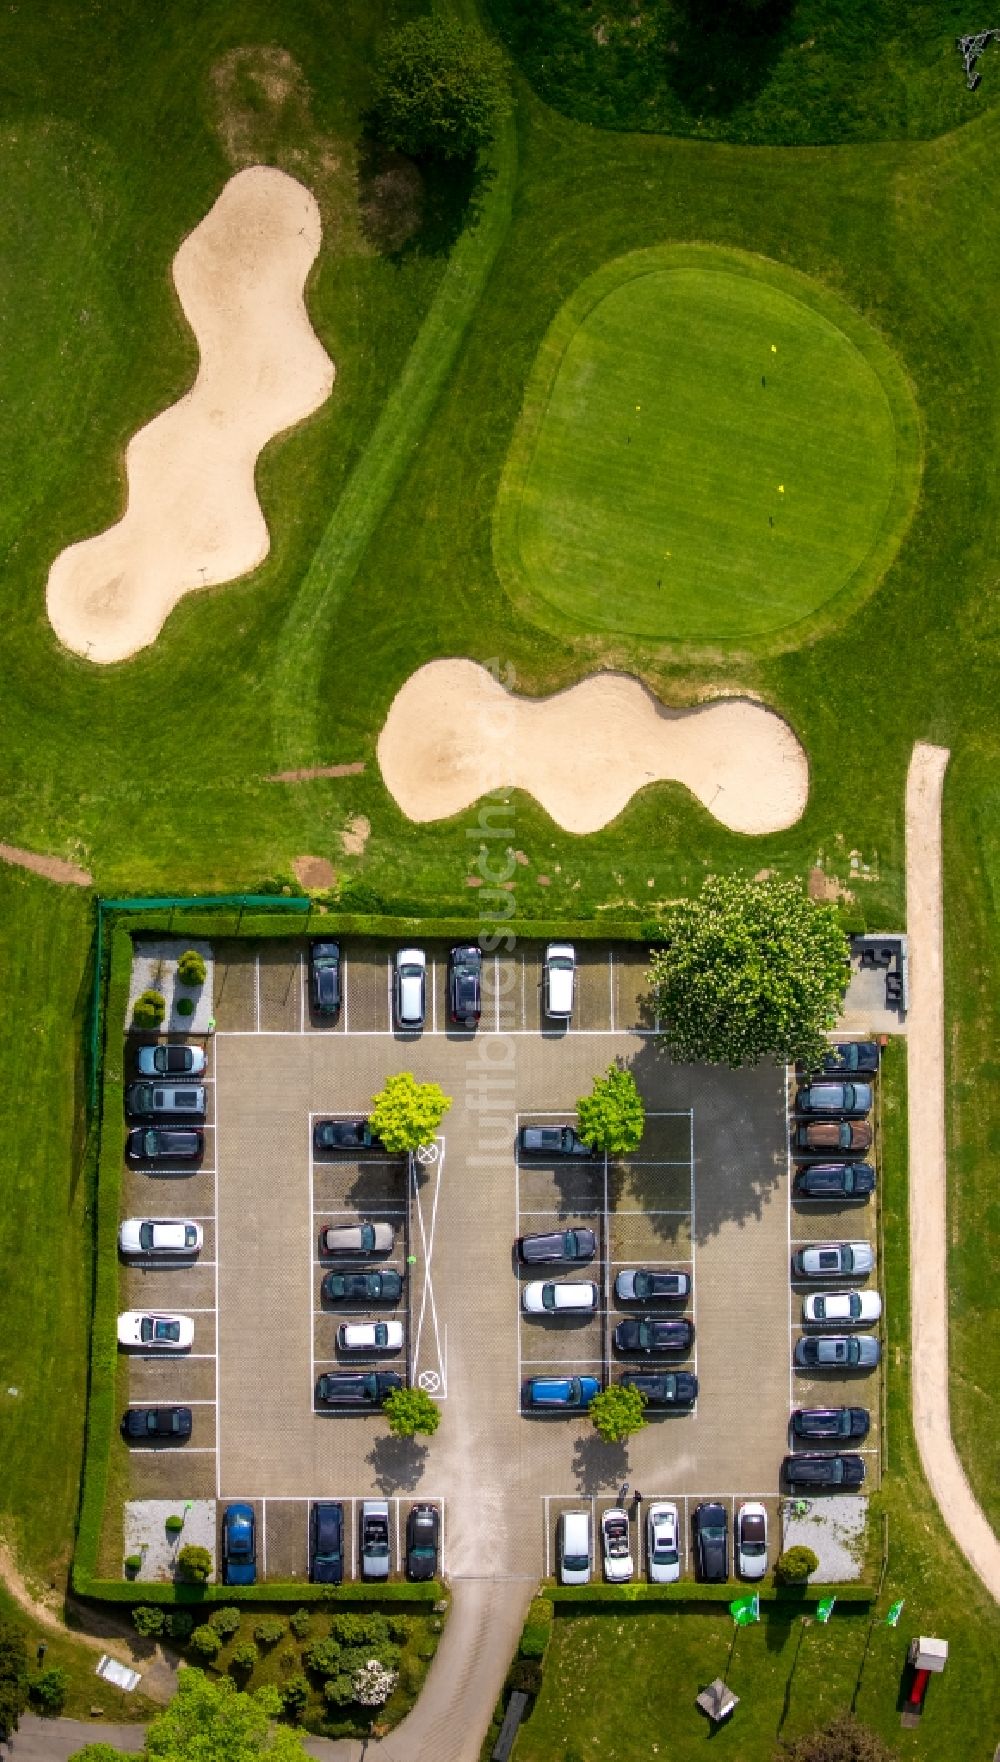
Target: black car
672,1388
164,1144
350,1135
830,1424
823,1471
139,1423
636,1285
557,1245
324,977
652,1333
552,1141
465,985
834,1180
356,1388
840,1100
326,1542
850,1058
384,1287
423,1532
711,1543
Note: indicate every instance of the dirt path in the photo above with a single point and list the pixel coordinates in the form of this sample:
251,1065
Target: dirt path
52,868
99,1632
928,1169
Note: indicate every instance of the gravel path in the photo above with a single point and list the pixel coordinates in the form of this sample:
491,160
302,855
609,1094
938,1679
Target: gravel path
928,1169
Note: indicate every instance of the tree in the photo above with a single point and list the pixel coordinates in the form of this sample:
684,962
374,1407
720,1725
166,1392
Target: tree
213,1722
49,1690
406,1114
612,1117
749,969
194,1562
191,969
794,1565
410,1411
618,1412
13,1677
373,1684
845,1739
440,90
97,1753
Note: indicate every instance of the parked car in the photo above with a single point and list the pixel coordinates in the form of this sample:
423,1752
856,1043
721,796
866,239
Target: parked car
411,987
834,1260
663,1543
349,1134
847,1100
326,1542
635,1285
850,1058
824,1471
568,1393
573,1548
465,985
834,1180
566,1296
164,1144
358,1389
239,1545
363,1238
155,1424
830,1424
552,1141
370,1337
837,1352
617,1546
826,1137
170,1061
155,1333
376,1559
669,1388
167,1236
152,1099
849,1309
651,1333
711,1542
751,1539
384,1287
324,977
423,1533
557,1245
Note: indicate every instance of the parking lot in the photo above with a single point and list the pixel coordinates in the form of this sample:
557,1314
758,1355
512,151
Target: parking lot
707,1192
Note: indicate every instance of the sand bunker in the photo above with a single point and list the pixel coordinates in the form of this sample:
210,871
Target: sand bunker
193,519
453,734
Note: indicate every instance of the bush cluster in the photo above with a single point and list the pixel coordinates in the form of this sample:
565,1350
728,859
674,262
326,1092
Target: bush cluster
794,1566
49,1690
149,1011
191,969
225,1621
148,1620
206,1642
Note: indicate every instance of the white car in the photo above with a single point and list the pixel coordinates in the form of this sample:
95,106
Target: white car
663,1554
751,1540
559,1297
560,971
160,1235
842,1308
617,1546
834,1260
155,1332
383,1336
573,1548
411,985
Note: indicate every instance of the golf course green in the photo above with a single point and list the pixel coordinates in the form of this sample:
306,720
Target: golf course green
711,450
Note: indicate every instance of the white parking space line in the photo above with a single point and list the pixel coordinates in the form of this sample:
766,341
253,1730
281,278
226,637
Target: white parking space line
427,1234
434,1000
399,1556
205,1402
496,992
388,987
345,986
556,1365
352,1211
302,993
256,988
354,1536
215,1224
611,987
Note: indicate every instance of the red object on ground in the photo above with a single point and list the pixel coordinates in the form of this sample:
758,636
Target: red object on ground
918,1689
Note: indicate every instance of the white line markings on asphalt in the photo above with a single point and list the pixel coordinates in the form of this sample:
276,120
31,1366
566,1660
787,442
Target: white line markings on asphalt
215,1230
256,991
427,1232
310,1264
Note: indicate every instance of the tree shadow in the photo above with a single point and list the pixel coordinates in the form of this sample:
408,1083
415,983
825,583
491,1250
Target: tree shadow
397,1463
722,53
417,210
598,1466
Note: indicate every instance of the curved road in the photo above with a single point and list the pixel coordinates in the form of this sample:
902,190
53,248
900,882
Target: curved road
928,1169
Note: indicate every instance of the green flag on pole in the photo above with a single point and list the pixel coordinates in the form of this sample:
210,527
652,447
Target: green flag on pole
895,1612
745,1610
824,1608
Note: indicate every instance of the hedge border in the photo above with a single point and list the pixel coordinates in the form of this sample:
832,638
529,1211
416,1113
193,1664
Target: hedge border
706,1595
252,926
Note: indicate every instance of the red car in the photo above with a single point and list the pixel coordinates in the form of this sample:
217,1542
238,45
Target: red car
821,1137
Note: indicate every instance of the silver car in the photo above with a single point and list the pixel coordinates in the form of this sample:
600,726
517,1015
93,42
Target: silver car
376,1559
363,1238
834,1260
155,1099
154,1235
411,985
170,1061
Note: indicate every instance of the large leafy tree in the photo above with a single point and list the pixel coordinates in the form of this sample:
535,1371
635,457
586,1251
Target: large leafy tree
750,969
617,1412
410,1411
406,1114
212,1722
440,90
13,1677
612,1117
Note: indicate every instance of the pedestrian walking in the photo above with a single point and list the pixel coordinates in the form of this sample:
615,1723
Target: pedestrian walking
623,1492
637,1498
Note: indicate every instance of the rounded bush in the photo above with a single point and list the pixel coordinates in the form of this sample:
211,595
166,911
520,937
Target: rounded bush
205,1642
339,1691
270,1629
185,1006
794,1566
49,1689
244,1657
148,1620
225,1621
133,1562
301,1624
195,1563
174,1525
191,968
149,1010
179,1624
295,1695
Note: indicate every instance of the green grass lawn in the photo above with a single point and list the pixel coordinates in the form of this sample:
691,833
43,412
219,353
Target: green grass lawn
709,451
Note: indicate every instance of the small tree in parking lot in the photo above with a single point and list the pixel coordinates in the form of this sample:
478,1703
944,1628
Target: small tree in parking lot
612,1118
406,1114
410,1411
618,1412
194,1562
149,1010
794,1566
191,968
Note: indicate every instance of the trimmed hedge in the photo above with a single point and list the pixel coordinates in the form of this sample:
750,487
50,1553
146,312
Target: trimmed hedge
253,926
188,1596
692,1594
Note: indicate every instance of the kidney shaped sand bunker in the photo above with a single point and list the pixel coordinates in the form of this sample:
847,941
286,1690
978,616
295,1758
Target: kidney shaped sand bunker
453,734
193,519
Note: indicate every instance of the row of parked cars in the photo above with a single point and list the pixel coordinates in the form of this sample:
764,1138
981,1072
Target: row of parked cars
327,1542
465,983
832,1131
710,1531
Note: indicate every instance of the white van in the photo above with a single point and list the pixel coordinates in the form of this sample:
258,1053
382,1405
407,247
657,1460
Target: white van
574,1548
560,971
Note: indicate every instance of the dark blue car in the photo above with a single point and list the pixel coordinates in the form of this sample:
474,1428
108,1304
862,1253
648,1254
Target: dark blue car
567,1393
239,1545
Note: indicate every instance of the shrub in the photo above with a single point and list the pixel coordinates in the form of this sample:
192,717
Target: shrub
406,1114
357,896
845,1739
360,1630
50,1688
148,1620
270,1629
295,1695
225,1621
13,1677
339,1691
526,1675
149,1010
243,1657
409,1411
195,1563
185,1006
179,1624
537,1630
794,1565
373,1683
133,1562
440,90
174,1525
191,969
206,1642
301,1624
323,1657
400,1627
